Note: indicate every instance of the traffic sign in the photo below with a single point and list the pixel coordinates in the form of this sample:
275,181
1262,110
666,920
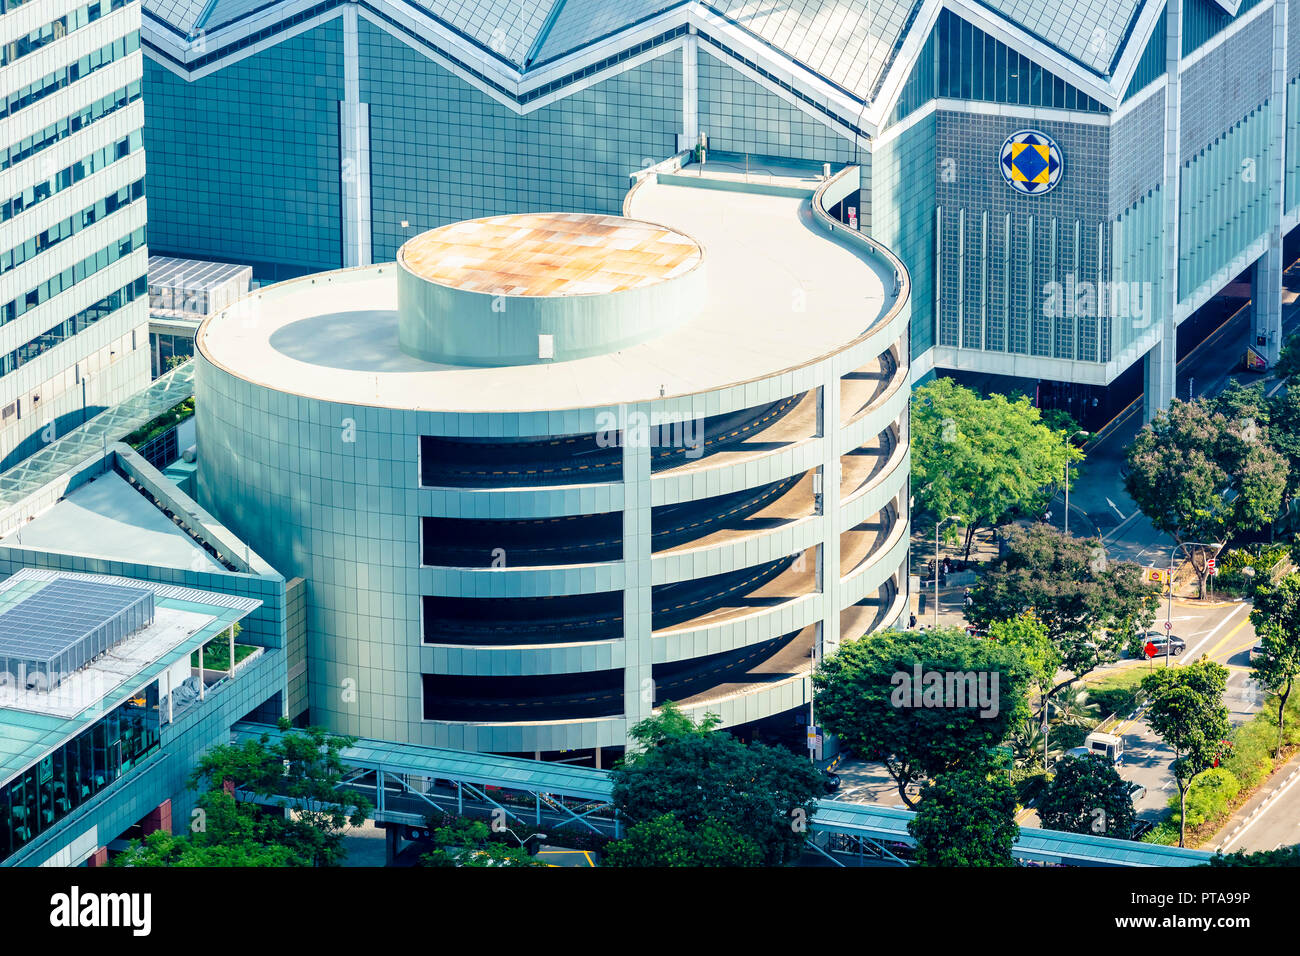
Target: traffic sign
1169,625
1149,650
1209,566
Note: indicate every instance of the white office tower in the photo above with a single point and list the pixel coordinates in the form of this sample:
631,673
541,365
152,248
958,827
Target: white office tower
74,311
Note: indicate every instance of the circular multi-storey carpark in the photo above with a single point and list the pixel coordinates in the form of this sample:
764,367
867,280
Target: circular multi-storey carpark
546,472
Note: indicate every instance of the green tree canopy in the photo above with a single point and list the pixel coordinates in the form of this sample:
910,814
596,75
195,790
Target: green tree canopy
879,695
301,772
985,459
161,848
224,833
1028,635
665,841
1186,710
1276,617
1284,434
1201,476
965,818
1087,795
469,843
1282,856
697,774
1288,363
1088,604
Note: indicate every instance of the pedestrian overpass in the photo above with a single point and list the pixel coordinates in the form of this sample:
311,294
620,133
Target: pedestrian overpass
408,783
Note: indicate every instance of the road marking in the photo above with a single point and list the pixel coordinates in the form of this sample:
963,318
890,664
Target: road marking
1115,507
1230,615
1227,637
1256,815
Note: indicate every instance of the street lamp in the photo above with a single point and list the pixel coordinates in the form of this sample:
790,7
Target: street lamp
531,836
937,525
1068,438
1169,607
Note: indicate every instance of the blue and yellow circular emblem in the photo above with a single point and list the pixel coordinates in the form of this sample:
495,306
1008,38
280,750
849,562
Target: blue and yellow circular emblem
1031,162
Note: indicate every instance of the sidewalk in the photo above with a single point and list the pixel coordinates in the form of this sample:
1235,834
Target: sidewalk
983,550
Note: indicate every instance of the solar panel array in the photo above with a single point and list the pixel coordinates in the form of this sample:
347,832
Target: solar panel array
65,625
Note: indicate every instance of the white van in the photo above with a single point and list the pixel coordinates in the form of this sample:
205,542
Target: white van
1108,746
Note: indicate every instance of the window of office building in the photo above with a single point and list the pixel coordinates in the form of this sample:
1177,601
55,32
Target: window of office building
48,791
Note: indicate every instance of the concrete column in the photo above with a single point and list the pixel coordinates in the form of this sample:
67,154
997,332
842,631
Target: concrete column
690,91
354,151
160,818
638,674
828,564
390,845
1162,361
1266,277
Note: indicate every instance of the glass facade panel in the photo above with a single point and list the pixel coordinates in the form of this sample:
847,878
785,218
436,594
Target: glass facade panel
42,796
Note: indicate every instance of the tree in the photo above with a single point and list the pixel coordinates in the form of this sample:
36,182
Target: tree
697,774
161,848
1058,420
469,843
1276,617
1087,795
1284,434
1282,856
1186,710
300,772
1288,363
665,841
669,722
1202,477
965,819
984,459
1088,605
225,833
906,699
1028,635
1245,404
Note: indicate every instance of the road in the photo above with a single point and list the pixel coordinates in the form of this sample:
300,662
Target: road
1271,818
1221,632
1099,505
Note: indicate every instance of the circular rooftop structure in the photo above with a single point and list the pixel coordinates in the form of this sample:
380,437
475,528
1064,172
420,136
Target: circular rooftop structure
756,293
550,254
543,287
707,476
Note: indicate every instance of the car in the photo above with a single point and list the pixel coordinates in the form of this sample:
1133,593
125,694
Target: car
1257,651
831,782
1158,638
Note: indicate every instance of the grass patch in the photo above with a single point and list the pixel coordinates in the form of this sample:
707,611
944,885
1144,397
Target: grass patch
162,423
1118,690
216,656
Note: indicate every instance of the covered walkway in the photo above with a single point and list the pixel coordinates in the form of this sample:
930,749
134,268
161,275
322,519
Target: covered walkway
407,783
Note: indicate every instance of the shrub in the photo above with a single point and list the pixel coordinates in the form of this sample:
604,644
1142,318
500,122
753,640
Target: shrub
1165,833
1250,760
1028,782
1208,797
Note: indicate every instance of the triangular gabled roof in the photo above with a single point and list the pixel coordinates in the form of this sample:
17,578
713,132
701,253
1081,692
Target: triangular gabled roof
851,57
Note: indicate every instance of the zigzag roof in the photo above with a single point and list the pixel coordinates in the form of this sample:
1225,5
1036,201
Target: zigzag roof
843,55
